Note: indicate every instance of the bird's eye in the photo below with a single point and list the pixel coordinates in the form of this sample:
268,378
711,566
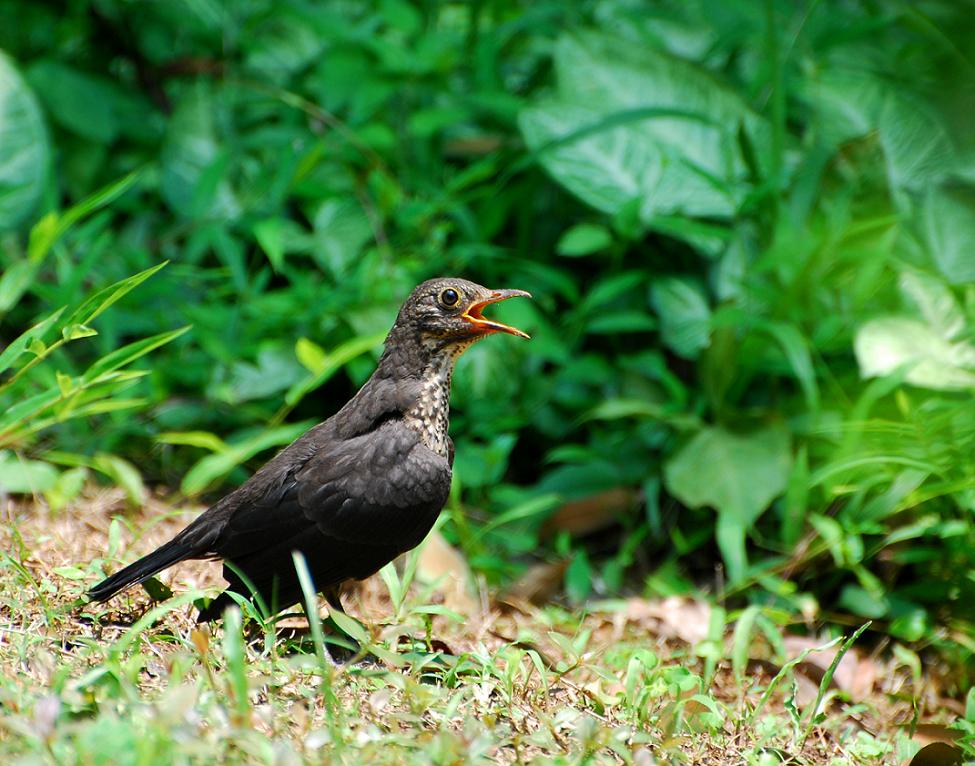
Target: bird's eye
449,297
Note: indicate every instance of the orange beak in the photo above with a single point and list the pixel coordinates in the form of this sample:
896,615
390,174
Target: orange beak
482,325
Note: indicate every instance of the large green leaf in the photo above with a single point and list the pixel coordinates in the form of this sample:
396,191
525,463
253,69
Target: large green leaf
21,476
929,351
948,217
24,151
847,105
890,345
641,127
341,230
737,474
78,101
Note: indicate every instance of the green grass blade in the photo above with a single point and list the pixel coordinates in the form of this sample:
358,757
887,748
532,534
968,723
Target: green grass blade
129,353
21,343
814,718
101,300
235,655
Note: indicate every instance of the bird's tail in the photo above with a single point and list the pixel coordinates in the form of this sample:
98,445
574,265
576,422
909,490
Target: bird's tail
164,556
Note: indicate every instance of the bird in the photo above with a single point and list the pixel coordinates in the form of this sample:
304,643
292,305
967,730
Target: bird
355,491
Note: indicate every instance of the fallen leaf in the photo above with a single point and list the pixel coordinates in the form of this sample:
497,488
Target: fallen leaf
201,639
537,585
672,617
442,565
926,733
592,513
856,674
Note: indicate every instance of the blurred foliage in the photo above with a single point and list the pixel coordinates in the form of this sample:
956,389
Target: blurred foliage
749,229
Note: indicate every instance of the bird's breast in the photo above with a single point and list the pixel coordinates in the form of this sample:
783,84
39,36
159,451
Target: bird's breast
430,413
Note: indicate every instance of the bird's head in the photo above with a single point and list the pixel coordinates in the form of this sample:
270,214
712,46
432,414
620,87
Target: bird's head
446,312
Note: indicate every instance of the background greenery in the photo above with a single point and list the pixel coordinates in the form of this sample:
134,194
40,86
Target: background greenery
749,229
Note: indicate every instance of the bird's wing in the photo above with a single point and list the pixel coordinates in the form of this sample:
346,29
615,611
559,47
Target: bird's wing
381,487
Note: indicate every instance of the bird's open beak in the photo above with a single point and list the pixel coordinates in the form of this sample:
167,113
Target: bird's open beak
474,316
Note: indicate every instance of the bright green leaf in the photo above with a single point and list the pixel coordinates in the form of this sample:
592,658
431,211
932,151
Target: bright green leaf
584,239
899,344
737,474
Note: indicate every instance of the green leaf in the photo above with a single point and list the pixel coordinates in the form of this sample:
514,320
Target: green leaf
268,234
685,316
584,239
578,577
80,102
796,502
616,409
796,349
22,342
341,230
850,104
634,124
14,282
22,476
20,413
935,302
609,288
235,656
350,626
481,465
67,488
46,232
25,155
70,573
194,179
203,439
898,344
157,589
312,356
97,303
737,474
213,467
129,353
124,474
862,602
741,644
615,322
531,508
77,331
334,361
948,220
275,370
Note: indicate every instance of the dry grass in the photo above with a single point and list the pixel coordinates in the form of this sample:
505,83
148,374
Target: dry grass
634,681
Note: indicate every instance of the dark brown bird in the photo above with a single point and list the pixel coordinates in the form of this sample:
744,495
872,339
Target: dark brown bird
353,492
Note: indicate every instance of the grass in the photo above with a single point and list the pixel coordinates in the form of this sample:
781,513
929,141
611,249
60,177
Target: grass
633,681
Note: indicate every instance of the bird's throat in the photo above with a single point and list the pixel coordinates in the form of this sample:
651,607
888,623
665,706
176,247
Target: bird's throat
429,415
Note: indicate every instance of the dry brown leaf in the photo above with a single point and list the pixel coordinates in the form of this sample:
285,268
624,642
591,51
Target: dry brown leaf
672,617
442,565
592,513
537,585
856,674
